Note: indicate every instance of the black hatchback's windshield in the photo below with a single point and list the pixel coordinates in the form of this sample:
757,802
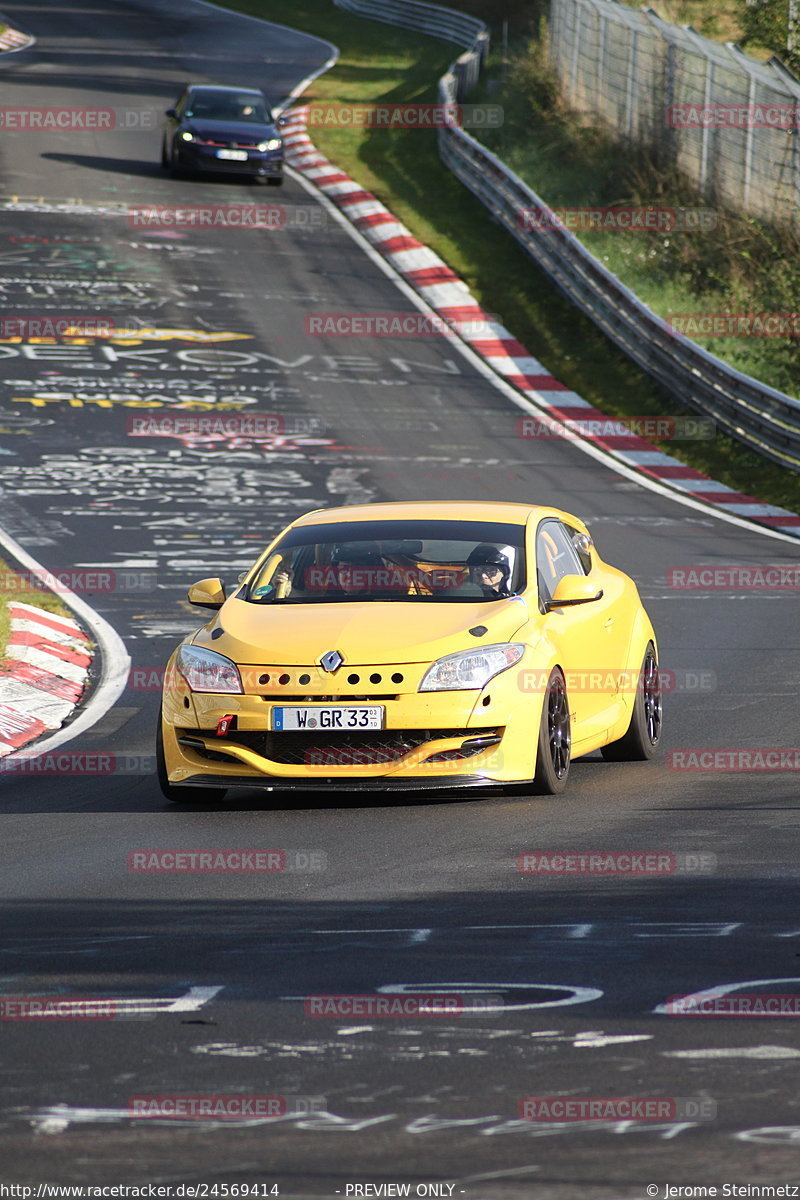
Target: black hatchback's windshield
451,561
215,106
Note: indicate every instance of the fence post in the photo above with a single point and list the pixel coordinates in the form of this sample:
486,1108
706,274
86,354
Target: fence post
630,124
705,152
748,148
668,135
793,27
576,41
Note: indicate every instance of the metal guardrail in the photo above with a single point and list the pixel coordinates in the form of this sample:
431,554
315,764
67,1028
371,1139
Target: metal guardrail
436,21
761,417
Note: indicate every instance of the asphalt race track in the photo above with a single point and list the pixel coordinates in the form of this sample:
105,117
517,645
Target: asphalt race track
209,972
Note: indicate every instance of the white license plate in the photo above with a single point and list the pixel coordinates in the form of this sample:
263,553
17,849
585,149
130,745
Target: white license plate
332,718
233,155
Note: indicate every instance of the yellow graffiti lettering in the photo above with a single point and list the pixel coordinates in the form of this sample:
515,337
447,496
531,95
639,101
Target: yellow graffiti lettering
110,401
132,336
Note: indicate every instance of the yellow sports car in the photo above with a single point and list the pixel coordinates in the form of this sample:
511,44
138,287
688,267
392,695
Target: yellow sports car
411,645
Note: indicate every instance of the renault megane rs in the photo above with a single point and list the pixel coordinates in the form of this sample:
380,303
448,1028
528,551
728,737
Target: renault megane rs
411,645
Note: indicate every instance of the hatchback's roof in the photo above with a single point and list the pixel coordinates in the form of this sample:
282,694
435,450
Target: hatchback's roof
431,510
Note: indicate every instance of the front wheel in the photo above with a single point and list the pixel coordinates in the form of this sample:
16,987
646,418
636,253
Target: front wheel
555,739
644,732
180,795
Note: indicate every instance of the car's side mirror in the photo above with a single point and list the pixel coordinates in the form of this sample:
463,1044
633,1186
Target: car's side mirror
279,120
170,112
208,593
571,590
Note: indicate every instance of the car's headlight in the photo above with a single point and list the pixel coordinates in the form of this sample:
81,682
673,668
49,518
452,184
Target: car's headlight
272,144
187,137
205,671
471,669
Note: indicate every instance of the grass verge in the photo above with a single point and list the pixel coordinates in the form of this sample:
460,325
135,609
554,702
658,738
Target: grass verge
16,588
379,63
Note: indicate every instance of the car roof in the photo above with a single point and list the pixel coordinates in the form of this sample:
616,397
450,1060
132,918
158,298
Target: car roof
431,510
235,91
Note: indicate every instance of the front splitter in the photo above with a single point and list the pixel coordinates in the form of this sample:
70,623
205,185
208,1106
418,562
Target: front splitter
220,783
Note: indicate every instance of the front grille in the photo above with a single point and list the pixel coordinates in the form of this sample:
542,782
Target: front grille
284,683
364,748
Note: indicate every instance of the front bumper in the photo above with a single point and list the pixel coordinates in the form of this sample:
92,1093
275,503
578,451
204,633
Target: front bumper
445,739
195,157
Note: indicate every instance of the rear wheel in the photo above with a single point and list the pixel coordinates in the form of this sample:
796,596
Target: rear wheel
555,739
180,795
644,732
275,180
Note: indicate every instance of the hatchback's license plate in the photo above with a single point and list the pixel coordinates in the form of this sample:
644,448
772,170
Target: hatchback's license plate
233,155
332,718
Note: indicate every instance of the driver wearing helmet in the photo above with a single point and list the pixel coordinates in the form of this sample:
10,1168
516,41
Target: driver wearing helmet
491,570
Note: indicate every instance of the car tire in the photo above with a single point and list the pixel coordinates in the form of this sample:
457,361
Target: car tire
555,739
180,795
175,168
275,181
643,735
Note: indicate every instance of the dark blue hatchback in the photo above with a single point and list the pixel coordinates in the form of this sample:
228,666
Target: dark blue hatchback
223,129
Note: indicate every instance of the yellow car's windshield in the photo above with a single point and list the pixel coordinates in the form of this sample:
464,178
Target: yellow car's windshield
412,561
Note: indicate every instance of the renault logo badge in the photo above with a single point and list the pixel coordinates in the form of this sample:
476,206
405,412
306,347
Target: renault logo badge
331,661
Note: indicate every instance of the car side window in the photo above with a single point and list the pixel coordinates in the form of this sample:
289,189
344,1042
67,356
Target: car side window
582,545
555,558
